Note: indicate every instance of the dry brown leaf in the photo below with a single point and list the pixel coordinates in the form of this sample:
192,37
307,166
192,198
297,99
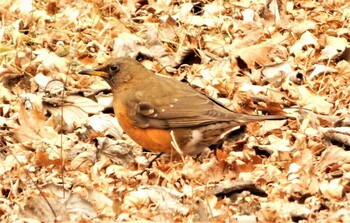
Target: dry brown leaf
42,159
106,123
81,155
120,153
255,54
167,201
310,100
215,45
275,73
333,155
72,109
34,126
307,39
70,208
340,134
286,210
242,103
50,62
343,68
276,145
321,69
332,189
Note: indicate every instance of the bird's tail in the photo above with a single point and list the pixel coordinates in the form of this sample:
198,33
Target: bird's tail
243,118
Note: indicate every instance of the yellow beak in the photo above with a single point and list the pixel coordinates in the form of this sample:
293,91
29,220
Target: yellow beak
94,72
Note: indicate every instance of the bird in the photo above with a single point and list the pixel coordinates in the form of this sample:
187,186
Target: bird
165,115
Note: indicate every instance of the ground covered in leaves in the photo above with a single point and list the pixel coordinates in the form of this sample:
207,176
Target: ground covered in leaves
63,156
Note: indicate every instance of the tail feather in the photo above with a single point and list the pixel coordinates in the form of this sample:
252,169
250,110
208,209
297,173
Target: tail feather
243,118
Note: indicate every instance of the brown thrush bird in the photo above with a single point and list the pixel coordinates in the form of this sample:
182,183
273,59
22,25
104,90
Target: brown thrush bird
158,112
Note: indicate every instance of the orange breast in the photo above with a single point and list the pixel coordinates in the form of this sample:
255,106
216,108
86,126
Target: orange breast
155,140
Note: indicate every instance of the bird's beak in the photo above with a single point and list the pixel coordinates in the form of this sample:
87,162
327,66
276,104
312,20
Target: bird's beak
94,72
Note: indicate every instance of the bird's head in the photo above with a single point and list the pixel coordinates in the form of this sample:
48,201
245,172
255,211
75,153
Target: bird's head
117,70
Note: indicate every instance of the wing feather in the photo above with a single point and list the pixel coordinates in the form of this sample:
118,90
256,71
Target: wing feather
181,107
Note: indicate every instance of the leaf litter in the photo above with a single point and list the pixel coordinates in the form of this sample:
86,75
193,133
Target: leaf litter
63,158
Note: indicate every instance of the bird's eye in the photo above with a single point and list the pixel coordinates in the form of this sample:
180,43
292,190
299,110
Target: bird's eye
114,68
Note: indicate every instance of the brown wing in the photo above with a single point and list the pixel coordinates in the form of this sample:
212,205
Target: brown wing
185,112
176,105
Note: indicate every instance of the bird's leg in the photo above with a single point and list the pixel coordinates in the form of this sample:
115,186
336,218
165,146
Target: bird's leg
175,145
